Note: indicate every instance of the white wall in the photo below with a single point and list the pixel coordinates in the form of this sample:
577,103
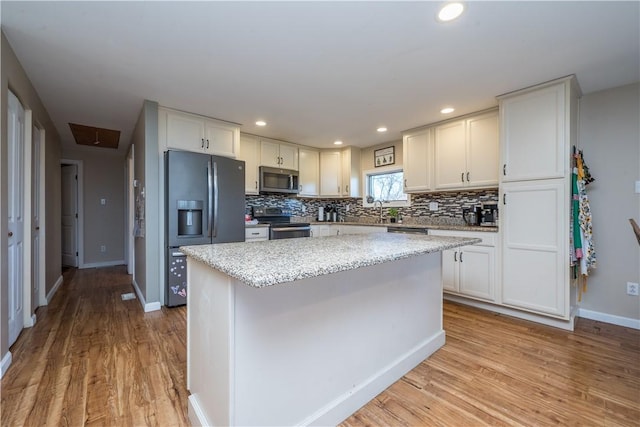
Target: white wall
610,138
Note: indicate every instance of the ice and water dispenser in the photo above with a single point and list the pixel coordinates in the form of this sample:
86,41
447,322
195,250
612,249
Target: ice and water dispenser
190,217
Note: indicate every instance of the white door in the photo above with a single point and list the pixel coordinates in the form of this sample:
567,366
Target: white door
15,205
535,246
476,271
36,173
450,273
131,241
69,215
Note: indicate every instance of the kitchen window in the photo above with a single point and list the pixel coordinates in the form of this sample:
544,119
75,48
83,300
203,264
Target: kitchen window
386,185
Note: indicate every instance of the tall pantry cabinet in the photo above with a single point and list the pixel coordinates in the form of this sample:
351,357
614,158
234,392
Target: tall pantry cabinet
538,127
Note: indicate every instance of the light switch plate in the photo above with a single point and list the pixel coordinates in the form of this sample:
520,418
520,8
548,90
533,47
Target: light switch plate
433,206
638,187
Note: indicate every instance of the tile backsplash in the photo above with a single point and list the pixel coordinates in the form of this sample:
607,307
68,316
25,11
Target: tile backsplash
450,205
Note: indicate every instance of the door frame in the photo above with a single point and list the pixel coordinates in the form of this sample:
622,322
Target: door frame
80,207
28,313
130,213
41,297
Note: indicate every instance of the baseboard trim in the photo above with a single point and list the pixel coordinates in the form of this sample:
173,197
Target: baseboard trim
55,288
197,417
567,325
31,321
147,307
102,264
5,363
627,322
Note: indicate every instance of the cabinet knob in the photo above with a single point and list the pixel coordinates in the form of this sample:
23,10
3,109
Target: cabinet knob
202,143
460,256
467,176
504,169
10,233
455,256
346,189
405,183
37,228
504,199
256,185
462,177
207,144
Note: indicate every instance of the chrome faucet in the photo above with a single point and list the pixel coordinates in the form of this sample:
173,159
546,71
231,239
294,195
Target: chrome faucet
380,220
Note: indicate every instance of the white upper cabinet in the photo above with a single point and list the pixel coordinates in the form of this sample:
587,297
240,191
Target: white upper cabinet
351,172
417,160
278,155
331,173
191,132
534,134
466,153
250,153
309,177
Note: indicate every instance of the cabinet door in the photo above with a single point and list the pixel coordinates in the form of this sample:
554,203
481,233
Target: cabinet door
269,154
450,270
416,162
482,151
309,177
450,155
533,134
288,156
250,153
351,172
220,140
476,266
185,132
330,173
535,246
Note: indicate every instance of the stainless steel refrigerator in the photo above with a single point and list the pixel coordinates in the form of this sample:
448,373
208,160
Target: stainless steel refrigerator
204,201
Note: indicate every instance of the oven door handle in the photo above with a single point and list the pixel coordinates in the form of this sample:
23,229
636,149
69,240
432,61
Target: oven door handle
291,229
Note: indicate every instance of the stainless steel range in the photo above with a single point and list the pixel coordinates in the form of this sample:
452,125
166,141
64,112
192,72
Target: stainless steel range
280,223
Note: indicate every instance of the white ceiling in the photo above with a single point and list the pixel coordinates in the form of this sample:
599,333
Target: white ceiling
315,71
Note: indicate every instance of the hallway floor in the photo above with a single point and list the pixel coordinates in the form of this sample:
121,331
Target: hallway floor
93,358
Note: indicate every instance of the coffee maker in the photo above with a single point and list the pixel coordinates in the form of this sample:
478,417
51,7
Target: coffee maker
489,214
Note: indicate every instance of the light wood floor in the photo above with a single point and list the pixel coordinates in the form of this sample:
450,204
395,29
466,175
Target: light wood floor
95,359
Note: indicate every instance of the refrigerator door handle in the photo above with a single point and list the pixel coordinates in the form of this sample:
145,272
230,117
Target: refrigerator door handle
215,199
209,198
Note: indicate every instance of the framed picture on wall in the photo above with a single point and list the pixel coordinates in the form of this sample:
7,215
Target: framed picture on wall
384,156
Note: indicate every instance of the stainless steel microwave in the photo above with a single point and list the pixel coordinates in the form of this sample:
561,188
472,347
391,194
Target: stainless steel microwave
276,180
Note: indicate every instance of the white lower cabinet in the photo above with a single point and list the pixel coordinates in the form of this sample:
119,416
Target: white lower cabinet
535,246
470,270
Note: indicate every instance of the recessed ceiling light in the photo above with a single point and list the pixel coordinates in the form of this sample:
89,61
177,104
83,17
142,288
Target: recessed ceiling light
261,123
447,110
338,143
450,11
382,129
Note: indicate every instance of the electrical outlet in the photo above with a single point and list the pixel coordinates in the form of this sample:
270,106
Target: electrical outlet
632,288
103,248
433,206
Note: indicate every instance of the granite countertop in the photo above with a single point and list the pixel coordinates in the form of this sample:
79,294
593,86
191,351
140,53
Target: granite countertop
456,227
271,262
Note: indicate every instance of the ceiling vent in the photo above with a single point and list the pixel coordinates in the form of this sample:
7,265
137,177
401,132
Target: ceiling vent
95,137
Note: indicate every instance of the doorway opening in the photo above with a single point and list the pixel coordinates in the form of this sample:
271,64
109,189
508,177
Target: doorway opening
72,213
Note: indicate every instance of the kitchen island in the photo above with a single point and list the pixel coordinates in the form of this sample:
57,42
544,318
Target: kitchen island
306,331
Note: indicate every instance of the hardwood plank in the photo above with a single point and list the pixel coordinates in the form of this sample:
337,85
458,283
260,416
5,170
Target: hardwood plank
93,359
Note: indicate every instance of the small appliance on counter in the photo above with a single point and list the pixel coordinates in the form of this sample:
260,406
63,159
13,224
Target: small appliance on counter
321,214
280,223
488,215
471,216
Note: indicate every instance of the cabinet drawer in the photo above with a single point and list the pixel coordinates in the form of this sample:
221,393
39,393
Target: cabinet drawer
256,233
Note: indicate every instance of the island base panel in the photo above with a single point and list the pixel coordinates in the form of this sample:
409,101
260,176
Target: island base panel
310,352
